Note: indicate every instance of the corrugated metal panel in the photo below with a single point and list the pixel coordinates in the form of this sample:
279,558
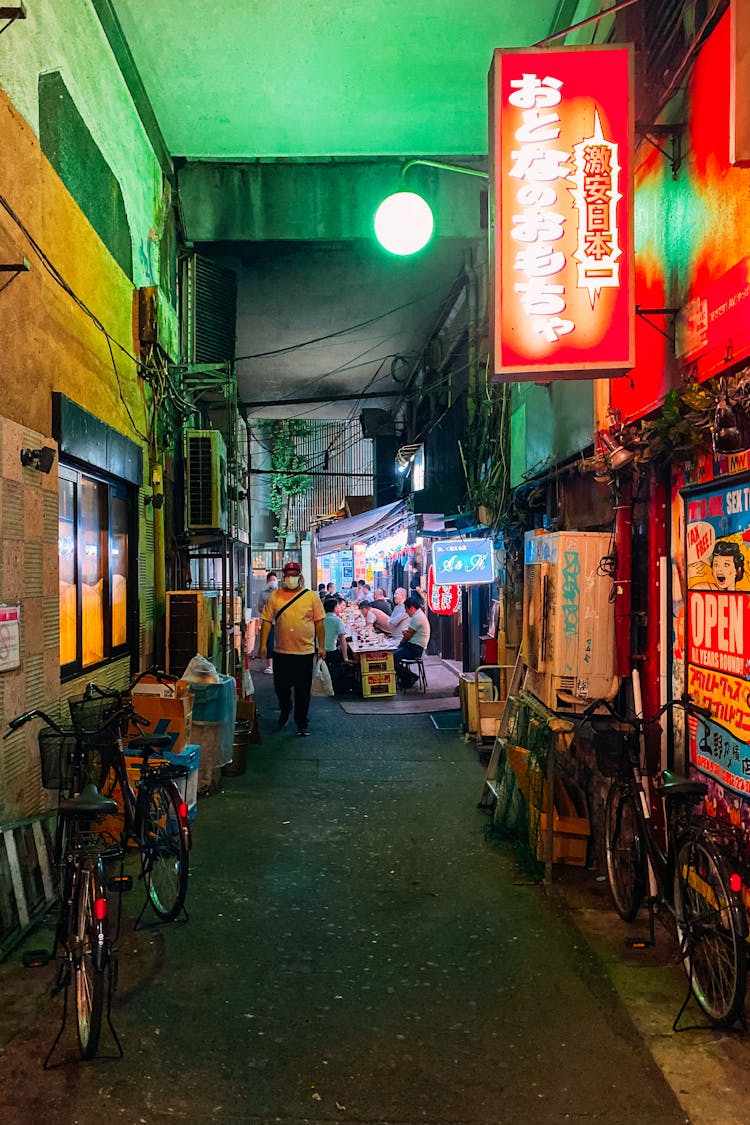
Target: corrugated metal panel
339,452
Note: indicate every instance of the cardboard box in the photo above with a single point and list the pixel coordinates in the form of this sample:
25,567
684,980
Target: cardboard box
166,715
378,683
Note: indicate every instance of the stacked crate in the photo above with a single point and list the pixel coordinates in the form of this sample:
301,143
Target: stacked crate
378,675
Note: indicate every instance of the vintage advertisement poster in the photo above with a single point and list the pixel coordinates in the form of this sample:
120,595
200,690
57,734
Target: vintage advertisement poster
717,634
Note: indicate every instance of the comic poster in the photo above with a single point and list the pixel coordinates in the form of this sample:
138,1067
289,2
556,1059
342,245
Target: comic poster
717,635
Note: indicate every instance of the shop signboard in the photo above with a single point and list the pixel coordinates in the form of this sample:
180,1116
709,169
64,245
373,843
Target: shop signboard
561,144
444,599
10,637
469,562
717,630
715,320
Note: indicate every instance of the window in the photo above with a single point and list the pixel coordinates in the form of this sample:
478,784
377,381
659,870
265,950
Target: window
93,547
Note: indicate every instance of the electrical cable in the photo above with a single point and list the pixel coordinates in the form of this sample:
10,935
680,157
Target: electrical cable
340,331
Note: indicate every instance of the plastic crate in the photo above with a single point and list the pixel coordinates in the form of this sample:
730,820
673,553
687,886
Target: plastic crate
380,661
188,786
378,683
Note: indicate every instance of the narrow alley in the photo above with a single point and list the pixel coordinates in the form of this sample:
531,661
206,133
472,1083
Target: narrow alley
356,951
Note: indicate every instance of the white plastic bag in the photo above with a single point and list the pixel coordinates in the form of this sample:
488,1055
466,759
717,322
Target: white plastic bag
321,684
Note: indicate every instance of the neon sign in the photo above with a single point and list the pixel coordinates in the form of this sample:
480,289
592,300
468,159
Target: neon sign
560,160
469,562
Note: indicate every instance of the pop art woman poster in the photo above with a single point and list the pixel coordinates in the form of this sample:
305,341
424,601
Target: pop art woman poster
717,628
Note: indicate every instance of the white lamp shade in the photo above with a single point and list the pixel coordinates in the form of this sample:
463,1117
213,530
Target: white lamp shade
404,223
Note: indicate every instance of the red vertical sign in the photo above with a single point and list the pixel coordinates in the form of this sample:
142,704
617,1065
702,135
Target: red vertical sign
561,143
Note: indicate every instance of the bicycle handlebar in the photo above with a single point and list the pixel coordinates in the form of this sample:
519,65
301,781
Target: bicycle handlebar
21,720
684,701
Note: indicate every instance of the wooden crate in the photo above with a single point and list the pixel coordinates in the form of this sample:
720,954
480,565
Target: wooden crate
378,683
570,823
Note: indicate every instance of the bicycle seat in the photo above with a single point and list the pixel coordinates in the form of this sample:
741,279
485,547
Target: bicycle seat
672,785
150,742
89,800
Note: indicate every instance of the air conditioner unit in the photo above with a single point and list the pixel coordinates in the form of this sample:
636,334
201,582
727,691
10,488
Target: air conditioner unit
568,617
205,481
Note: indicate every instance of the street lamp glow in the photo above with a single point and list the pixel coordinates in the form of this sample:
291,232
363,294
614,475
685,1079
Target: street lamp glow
403,223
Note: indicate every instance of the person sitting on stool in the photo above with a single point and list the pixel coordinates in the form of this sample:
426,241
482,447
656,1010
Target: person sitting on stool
414,641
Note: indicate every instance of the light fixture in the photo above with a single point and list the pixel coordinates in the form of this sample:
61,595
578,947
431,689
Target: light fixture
404,222
40,459
404,457
616,455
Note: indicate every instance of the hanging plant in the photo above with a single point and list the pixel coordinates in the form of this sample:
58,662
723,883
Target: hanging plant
289,477
485,451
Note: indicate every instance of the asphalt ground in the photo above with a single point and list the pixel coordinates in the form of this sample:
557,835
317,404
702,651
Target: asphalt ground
358,951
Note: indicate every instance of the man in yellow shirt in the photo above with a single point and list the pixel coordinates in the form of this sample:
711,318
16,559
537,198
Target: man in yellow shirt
297,615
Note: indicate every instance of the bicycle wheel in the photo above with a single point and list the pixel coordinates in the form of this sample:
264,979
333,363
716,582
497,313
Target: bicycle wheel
624,849
89,955
164,852
711,929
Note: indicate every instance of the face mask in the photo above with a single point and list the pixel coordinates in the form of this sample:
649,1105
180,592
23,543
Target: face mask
292,583
273,583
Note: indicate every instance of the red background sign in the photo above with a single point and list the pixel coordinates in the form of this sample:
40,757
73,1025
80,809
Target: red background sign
561,143
442,600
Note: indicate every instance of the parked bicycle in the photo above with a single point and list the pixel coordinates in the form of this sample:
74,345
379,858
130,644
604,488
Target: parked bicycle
154,811
696,877
83,938
73,760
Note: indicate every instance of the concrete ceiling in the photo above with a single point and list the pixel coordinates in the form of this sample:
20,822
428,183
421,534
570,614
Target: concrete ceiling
305,80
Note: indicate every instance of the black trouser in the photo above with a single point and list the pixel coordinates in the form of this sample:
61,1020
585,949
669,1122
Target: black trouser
342,674
293,674
405,651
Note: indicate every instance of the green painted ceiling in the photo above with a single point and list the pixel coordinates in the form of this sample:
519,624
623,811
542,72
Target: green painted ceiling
239,78
293,84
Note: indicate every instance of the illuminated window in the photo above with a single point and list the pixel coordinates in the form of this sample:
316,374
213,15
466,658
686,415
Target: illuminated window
93,551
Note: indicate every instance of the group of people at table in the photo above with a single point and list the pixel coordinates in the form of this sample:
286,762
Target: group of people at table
297,624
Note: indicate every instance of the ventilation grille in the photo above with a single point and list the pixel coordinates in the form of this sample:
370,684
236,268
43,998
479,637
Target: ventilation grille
205,484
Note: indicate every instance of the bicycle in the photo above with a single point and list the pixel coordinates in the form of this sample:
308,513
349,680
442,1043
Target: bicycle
155,813
83,940
154,817
696,877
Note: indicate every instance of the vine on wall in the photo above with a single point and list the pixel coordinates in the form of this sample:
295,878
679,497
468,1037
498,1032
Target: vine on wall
289,468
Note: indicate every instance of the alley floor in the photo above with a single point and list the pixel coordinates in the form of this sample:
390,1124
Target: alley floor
358,951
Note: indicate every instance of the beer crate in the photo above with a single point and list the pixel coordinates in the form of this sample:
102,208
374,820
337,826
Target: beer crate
378,683
377,661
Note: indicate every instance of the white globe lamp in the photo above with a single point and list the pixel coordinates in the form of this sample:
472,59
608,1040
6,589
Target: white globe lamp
404,223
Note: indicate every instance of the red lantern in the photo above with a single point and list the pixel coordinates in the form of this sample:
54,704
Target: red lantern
442,600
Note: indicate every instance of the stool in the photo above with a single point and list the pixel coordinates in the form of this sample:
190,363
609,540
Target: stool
416,665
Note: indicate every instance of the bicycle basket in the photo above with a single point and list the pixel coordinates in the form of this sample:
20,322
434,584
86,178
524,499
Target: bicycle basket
56,757
92,713
611,748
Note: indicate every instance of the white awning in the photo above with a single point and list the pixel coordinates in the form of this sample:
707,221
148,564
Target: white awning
341,535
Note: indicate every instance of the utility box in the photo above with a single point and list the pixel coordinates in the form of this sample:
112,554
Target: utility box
568,616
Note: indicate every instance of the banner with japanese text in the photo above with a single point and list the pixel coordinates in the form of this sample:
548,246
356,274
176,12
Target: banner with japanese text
717,631
561,152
